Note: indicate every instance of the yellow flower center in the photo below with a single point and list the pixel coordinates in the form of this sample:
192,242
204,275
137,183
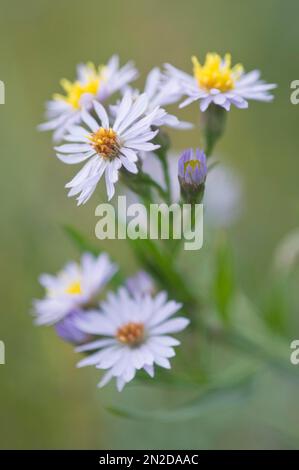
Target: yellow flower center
74,288
74,90
131,333
193,164
216,73
105,142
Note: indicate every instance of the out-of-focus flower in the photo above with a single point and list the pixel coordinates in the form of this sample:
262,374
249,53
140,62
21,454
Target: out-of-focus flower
71,290
135,332
160,92
67,330
192,172
216,81
223,197
108,148
141,284
91,84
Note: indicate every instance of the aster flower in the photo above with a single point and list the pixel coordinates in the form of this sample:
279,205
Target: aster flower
216,81
108,147
192,172
91,84
70,291
134,335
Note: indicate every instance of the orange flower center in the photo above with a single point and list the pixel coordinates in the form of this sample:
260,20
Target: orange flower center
105,142
131,333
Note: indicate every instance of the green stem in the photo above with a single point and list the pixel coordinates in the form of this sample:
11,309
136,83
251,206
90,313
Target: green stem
162,139
213,122
141,184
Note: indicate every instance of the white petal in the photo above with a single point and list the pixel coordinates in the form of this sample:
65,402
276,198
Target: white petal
166,340
94,359
162,362
73,148
123,110
129,154
77,138
120,383
219,99
75,158
102,114
110,358
189,100
137,110
105,379
130,166
89,120
149,370
145,146
78,131
170,308
100,343
205,103
109,186
95,323
141,126
160,350
171,326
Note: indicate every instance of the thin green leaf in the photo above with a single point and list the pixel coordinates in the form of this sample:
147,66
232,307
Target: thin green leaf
161,265
80,241
224,282
251,335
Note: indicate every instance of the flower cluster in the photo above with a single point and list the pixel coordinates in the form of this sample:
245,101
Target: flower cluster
113,137
128,328
126,332
118,137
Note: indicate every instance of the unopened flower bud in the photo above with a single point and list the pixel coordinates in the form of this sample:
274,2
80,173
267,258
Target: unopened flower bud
192,172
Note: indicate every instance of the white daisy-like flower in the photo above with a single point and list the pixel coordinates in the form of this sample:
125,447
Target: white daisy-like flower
217,82
91,84
134,335
108,147
73,288
161,91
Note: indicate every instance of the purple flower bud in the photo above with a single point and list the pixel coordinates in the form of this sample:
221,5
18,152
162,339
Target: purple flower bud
68,330
192,171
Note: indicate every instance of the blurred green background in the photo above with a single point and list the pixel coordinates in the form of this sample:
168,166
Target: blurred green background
45,402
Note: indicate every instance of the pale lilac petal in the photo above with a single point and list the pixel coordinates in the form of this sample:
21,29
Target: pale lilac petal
102,114
171,326
89,120
73,148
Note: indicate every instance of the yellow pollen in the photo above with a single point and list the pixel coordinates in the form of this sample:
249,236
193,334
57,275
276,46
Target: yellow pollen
74,288
193,164
216,73
74,90
131,333
105,142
